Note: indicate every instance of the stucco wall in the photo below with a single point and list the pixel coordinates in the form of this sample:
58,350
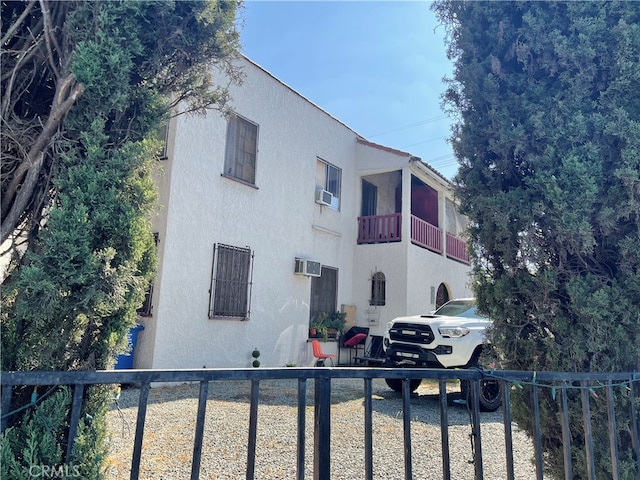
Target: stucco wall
279,220
426,269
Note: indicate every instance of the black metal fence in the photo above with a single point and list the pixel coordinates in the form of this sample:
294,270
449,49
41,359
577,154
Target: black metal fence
560,384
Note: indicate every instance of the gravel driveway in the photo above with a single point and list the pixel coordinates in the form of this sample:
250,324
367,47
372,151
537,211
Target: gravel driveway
170,427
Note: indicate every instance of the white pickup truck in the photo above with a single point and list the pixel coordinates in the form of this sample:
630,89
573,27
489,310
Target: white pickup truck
451,337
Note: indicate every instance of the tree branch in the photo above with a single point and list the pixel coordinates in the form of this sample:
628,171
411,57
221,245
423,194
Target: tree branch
22,185
17,23
49,38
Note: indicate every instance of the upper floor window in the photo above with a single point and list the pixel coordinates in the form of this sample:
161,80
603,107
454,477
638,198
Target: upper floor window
242,145
329,178
230,293
378,289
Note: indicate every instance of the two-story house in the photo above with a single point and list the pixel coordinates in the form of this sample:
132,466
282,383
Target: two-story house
281,212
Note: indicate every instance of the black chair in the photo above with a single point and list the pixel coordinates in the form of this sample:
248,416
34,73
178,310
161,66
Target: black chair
352,339
373,353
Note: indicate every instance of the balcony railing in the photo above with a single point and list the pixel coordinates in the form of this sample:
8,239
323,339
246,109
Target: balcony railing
457,248
426,235
379,228
387,228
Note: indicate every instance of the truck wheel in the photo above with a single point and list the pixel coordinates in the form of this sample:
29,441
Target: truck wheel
395,384
490,394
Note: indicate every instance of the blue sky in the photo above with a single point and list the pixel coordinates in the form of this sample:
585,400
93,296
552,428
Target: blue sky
376,66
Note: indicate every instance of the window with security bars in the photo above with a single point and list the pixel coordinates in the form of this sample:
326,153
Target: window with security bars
242,146
230,293
378,289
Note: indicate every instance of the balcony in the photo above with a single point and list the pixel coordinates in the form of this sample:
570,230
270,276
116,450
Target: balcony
380,228
387,228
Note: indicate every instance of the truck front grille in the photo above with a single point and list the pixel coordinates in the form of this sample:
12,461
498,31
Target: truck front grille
411,333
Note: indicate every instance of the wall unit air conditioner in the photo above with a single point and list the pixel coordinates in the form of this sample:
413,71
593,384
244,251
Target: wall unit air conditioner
309,268
324,197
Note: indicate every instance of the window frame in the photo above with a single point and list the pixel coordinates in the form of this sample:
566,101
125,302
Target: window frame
163,136
331,183
233,167
146,310
319,287
225,302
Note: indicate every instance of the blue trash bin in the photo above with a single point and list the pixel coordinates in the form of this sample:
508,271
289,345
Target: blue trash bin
124,361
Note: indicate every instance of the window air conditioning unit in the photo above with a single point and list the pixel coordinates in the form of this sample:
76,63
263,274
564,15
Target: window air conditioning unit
324,197
308,268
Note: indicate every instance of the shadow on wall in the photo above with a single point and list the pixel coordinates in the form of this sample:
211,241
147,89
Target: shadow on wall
291,348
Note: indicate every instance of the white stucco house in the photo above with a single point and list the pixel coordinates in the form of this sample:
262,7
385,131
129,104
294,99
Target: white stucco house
284,186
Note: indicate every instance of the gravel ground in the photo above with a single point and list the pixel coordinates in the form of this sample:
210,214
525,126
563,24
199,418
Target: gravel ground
170,430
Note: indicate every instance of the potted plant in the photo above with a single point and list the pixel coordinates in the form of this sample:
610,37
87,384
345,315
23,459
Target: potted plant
328,325
317,327
335,323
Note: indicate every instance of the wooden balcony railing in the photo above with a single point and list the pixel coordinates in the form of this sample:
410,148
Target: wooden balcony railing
379,228
426,235
387,228
457,249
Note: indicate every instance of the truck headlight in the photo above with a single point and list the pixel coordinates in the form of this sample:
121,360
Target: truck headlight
453,332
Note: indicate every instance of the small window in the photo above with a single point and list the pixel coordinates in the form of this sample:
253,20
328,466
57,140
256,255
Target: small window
147,307
242,146
442,296
329,178
378,289
230,293
163,136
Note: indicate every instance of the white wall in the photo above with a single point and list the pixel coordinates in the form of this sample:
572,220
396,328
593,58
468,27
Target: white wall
426,269
279,220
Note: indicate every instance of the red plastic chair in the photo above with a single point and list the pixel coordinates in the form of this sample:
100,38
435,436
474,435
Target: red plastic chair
317,352
353,342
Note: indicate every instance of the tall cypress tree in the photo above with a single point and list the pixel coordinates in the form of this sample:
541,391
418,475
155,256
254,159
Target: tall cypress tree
548,141
86,85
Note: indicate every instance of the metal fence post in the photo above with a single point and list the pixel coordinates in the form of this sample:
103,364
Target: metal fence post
322,429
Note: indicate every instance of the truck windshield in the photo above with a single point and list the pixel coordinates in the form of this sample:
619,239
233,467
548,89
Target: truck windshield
458,309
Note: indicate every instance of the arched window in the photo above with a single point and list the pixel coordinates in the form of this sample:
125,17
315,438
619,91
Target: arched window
442,296
378,289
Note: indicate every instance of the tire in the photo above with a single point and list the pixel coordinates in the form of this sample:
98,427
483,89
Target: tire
395,384
490,394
